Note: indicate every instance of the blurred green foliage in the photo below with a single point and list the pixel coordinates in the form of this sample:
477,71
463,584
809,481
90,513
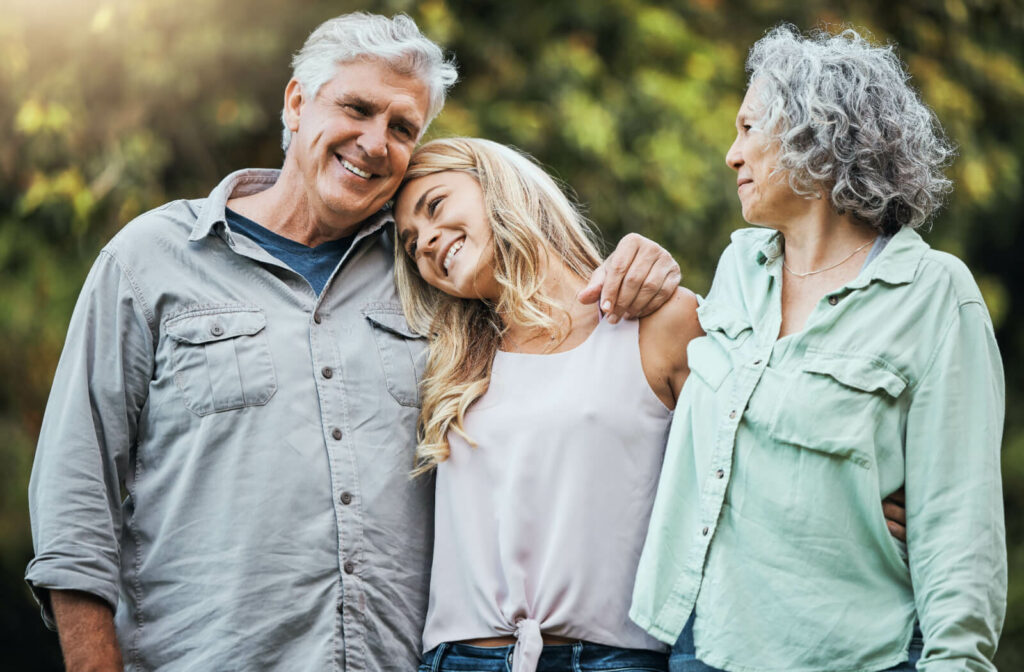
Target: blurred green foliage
109,108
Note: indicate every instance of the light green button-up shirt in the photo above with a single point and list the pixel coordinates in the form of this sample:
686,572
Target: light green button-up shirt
768,520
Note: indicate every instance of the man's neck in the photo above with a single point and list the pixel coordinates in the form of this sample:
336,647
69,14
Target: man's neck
287,209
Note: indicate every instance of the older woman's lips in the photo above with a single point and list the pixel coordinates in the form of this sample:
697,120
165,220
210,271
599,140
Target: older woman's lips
740,183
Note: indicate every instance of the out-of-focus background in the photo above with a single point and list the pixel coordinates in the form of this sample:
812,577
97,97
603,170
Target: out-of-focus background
109,108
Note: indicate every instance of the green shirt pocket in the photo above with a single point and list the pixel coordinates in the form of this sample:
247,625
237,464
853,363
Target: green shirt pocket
837,404
734,326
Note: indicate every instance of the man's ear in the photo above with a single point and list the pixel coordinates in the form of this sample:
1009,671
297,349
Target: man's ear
293,100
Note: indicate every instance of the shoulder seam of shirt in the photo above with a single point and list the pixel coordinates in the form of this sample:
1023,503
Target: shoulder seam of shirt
129,275
953,270
955,318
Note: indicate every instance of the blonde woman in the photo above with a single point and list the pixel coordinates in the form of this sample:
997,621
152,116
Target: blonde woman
544,422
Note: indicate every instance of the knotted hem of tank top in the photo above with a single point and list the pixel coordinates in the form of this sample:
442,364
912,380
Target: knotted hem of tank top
529,644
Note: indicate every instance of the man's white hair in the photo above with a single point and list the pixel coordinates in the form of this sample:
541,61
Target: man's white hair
357,36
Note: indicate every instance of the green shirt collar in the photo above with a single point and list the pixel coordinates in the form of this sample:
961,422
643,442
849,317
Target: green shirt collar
896,265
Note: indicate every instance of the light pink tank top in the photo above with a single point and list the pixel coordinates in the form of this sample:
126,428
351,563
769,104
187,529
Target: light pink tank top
539,529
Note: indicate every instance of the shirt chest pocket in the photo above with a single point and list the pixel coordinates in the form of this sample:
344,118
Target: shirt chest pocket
841,405
402,352
222,359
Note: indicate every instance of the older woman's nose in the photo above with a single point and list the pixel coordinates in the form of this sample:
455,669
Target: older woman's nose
734,157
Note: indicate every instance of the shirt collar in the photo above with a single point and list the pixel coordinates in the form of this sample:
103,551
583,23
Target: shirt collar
896,265
253,180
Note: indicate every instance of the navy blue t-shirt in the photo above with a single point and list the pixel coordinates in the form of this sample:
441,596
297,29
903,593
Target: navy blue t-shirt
315,264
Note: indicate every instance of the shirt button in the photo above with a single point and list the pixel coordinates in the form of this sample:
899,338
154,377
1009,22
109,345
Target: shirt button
346,498
349,567
732,415
757,362
317,318
704,532
833,300
336,433
217,330
341,607
327,372
720,473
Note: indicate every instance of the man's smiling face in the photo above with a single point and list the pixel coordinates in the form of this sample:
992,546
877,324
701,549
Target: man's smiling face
353,140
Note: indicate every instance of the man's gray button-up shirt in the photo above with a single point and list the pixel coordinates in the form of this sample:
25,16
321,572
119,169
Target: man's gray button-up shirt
269,522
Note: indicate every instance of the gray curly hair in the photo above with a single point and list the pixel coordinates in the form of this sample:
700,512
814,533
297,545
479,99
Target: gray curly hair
846,120
360,35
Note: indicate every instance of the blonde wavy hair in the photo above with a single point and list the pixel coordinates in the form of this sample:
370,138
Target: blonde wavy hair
532,220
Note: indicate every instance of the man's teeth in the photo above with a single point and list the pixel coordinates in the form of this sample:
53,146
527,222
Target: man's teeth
456,246
358,171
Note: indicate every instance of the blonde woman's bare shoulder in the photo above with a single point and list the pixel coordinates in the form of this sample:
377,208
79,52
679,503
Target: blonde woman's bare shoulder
676,318
664,335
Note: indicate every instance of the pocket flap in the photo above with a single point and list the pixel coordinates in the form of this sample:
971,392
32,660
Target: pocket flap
199,328
868,374
389,320
716,317
708,361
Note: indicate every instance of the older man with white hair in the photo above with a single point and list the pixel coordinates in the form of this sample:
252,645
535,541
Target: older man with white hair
222,476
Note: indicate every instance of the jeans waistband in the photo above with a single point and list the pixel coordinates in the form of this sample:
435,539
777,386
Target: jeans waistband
554,657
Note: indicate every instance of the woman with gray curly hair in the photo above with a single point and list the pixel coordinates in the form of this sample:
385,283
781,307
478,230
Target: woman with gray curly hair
844,359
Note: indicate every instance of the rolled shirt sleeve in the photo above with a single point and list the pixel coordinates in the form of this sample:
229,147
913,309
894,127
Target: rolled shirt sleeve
956,535
88,429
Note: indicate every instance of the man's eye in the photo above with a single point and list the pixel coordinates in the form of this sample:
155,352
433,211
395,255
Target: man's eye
433,204
358,109
411,250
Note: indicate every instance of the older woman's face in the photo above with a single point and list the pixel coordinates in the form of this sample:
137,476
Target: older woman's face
766,198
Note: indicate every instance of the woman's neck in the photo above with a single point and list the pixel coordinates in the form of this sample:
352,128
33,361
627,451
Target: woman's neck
573,320
823,239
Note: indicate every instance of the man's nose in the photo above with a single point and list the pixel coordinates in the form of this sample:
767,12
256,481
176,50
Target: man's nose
374,141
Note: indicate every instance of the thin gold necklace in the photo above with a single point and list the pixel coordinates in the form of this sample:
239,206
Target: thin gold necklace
827,268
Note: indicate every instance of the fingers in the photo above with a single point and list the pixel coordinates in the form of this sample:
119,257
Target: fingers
616,267
635,280
660,285
592,292
650,281
895,514
897,531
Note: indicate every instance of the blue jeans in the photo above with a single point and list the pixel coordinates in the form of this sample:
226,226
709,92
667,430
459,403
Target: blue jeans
578,657
684,659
